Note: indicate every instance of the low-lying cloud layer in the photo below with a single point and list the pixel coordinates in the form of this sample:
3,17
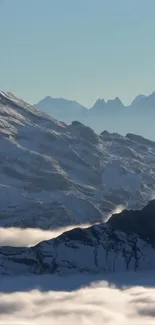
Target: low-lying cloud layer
98,304
19,237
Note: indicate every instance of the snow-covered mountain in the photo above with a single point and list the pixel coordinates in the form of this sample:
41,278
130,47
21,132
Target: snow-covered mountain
102,248
53,174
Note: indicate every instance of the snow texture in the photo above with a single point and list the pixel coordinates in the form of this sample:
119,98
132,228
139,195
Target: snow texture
55,175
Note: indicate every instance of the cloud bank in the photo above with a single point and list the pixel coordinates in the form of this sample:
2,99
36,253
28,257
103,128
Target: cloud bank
98,304
19,237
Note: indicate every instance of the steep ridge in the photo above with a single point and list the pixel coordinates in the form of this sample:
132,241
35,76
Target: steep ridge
53,174
97,249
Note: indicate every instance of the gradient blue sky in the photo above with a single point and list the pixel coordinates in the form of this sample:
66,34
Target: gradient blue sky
77,49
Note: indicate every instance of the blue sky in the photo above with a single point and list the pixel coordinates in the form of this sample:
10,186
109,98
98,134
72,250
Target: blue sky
77,49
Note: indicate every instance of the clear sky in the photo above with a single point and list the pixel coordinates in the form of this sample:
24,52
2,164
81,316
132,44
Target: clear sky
77,49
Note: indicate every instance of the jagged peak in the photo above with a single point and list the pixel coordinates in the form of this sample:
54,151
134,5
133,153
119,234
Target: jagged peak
99,102
115,101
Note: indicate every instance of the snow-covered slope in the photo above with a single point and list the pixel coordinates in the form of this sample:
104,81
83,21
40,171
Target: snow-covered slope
98,249
55,175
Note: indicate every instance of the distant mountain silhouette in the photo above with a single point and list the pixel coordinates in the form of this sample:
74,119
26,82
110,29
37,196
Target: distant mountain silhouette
102,107
60,108
98,107
112,115
138,99
147,101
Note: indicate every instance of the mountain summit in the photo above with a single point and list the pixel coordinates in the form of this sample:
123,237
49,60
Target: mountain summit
62,109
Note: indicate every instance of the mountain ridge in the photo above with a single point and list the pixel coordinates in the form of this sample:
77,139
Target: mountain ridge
57,175
112,115
136,100
98,249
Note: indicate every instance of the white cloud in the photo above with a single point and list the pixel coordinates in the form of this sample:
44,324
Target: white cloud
98,304
30,236
117,210
19,237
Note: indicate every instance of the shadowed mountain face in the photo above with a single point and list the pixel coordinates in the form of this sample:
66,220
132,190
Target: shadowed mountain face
140,222
125,242
55,175
112,115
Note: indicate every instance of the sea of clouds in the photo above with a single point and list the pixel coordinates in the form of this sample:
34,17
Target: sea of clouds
97,304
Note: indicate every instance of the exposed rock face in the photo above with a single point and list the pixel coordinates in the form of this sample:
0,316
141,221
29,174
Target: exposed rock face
140,222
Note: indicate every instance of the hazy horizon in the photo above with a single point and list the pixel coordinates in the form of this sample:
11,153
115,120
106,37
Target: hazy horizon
74,100
99,98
